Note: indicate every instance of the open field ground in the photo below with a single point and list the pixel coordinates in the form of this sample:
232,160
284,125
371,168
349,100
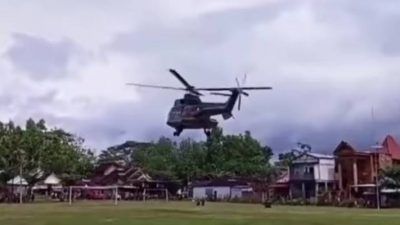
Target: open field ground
176,213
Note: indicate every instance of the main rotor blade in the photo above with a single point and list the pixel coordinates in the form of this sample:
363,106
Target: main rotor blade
156,86
189,87
256,88
221,94
233,88
237,82
180,78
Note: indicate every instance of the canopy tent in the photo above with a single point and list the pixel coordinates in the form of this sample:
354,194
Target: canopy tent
363,186
17,181
52,179
390,191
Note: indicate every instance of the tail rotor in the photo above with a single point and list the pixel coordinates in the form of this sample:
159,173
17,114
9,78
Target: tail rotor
241,91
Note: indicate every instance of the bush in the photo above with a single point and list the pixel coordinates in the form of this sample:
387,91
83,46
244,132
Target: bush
267,204
347,203
296,202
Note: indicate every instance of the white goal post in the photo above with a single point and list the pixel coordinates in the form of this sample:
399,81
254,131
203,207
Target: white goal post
75,192
147,193
114,189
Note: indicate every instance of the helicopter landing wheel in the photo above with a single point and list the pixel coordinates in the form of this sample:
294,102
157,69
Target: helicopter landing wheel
178,132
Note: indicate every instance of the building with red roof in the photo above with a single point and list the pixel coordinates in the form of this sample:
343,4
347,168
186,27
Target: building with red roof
357,169
391,147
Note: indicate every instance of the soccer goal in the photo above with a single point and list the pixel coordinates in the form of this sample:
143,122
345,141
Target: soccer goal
105,193
156,194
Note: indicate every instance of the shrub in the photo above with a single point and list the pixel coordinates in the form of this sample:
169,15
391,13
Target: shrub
347,203
267,204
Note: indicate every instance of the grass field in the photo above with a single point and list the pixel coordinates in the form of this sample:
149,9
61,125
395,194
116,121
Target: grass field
176,213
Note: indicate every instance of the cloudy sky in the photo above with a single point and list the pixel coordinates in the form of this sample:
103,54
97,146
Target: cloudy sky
330,63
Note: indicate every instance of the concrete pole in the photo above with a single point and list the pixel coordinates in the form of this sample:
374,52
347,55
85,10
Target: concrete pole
20,183
303,189
355,174
166,194
327,190
378,199
316,189
70,195
340,176
373,171
116,196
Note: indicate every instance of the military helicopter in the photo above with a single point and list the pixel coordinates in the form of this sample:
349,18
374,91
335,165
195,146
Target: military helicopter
190,112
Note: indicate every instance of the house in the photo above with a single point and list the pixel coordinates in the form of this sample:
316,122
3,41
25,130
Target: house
391,147
109,174
280,188
357,170
221,189
132,182
17,185
310,175
17,181
48,183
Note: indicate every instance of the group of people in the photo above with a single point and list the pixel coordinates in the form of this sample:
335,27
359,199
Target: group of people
200,202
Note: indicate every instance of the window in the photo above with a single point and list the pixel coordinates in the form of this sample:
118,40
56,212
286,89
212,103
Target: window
309,170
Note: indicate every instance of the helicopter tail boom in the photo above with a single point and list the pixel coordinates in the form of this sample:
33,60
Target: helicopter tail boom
230,103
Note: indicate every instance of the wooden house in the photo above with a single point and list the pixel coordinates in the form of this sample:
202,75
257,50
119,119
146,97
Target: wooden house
357,170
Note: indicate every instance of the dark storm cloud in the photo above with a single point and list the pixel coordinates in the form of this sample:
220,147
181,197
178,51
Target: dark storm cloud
201,44
120,122
41,58
199,33
321,110
329,62
378,21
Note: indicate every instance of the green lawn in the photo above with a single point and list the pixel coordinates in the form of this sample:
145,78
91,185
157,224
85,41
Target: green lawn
175,213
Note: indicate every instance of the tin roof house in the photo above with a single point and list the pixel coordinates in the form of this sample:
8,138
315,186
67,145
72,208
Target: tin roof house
310,175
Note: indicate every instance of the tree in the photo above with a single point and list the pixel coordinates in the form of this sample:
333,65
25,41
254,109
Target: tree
123,152
391,177
66,156
9,143
214,155
302,147
190,160
221,155
236,155
158,158
41,151
286,159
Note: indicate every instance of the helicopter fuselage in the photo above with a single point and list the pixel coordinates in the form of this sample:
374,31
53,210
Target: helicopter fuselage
191,113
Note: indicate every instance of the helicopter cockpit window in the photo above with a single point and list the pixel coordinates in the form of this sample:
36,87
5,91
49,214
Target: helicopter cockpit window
190,110
178,102
191,101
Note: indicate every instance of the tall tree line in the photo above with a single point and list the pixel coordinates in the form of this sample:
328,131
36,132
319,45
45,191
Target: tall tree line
188,160
38,150
34,150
